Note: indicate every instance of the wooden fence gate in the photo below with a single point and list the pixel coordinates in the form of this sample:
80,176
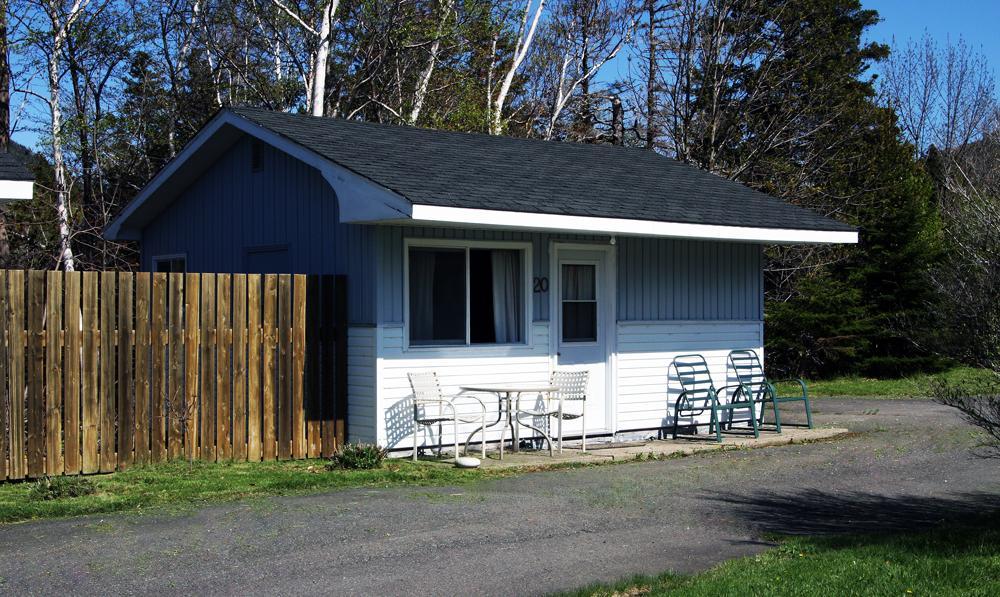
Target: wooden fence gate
99,370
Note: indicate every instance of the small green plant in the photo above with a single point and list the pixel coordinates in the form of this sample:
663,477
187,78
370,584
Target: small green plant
357,456
53,488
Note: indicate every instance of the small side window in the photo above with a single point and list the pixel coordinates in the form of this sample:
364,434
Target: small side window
170,265
256,163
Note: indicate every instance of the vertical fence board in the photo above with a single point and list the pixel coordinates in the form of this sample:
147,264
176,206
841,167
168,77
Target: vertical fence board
36,373
192,294
313,404
270,337
284,366
158,358
239,367
175,409
71,368
6,422
53,373
255,340
90,411
298,333
15,334
108,372
141,377
126,427
326,366
208,335
223,387
340,358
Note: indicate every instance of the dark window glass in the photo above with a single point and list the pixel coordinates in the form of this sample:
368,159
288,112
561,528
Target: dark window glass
173,265
438,292
437,296
256,163
579,303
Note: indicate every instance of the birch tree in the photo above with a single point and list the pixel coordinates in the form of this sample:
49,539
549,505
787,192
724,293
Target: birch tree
446,9
61,18
528,20
322,36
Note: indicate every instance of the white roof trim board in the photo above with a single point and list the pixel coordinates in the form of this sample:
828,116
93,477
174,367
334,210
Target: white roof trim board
363,200
432,214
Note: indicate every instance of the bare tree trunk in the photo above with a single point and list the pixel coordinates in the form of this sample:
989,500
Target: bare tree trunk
320,62
60,29
316,95
424,80
617,121
525,36
651,79
4,119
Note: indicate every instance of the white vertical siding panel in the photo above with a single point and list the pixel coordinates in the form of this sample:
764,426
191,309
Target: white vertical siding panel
647,390
361,384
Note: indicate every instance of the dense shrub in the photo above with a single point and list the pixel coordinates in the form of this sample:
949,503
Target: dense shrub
53,488
357,456
979,403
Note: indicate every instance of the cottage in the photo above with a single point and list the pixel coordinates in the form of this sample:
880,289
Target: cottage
16,181
481,258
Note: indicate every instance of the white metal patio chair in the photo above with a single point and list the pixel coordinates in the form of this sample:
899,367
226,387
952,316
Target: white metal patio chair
431,406
571,387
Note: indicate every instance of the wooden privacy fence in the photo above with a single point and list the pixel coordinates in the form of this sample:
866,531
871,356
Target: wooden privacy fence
99,370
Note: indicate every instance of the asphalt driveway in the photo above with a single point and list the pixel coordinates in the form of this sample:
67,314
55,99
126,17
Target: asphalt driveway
910,464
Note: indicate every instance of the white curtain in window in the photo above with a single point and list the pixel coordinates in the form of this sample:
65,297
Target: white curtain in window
578,282
508,314
422,295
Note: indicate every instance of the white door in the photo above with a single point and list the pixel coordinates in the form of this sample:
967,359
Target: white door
583,324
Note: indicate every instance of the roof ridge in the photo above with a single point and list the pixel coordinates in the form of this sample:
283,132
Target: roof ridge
475,134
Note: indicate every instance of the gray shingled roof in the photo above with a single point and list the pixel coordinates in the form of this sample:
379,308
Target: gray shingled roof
12,167
502,173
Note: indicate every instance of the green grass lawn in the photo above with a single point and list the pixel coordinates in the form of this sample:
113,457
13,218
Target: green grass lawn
915,386
183,484
957,560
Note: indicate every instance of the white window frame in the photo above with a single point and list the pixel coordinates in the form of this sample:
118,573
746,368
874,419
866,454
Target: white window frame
598,302
170,257
526,272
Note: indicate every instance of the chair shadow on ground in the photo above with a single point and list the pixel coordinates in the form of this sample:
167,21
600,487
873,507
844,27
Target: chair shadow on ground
815,512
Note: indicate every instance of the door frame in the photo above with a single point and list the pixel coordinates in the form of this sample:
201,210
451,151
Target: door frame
610,312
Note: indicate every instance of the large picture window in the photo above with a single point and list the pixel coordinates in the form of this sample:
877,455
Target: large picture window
466,295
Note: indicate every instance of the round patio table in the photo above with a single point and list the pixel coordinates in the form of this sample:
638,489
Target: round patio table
508,397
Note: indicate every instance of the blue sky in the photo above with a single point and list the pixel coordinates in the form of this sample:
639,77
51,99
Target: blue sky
977,21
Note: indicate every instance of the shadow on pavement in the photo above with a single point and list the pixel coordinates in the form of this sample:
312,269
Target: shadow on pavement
814,512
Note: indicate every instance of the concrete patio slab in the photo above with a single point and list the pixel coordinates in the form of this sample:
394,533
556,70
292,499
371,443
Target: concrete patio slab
657,449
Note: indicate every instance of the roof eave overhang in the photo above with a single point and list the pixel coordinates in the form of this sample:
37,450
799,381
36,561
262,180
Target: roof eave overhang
510,220
16,190
358,198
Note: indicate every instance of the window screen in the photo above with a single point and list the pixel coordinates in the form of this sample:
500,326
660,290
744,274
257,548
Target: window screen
579,303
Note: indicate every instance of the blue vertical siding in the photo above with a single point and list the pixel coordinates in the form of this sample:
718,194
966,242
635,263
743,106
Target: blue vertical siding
666,279
658,279
286,203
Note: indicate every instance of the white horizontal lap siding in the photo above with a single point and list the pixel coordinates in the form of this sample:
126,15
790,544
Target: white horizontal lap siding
455,367
361,403
647,390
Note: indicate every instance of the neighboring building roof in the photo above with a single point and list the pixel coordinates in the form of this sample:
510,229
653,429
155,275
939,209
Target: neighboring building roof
12,167
476,171
398,174
17,183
